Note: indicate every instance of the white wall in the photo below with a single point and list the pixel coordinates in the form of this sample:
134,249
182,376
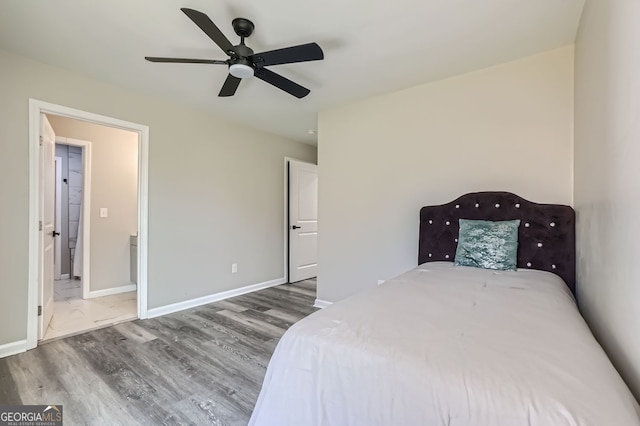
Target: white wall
215,189
114,185
607,178
507,128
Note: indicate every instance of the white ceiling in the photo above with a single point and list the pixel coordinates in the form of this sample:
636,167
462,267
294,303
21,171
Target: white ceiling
371,46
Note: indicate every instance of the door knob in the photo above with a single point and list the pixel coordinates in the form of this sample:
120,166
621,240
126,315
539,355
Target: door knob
55,234
296,227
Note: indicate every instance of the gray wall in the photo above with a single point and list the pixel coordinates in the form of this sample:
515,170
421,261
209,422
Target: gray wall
607,178
215,189
507,128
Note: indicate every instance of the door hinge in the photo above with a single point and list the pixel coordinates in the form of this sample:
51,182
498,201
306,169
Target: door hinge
39,310
41,140
39,225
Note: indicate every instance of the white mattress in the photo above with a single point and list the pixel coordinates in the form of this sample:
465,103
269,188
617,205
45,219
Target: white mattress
445,345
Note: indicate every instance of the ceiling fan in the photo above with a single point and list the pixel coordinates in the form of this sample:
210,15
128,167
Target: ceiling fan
243,62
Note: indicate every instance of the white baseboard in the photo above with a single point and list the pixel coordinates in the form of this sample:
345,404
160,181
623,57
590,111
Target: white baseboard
64,276
180,306
321,304
113,290
13,348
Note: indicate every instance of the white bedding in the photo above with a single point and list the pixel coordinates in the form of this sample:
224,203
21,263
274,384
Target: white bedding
445,345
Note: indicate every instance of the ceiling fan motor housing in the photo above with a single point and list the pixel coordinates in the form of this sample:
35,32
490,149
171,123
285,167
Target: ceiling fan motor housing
243,50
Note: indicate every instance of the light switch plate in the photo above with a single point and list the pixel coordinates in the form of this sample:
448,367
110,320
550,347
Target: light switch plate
104,212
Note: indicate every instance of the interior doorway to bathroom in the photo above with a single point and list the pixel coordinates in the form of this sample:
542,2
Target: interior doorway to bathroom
98,176
94,282
96,255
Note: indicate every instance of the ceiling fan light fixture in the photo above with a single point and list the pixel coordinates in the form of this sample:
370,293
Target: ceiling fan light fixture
241,70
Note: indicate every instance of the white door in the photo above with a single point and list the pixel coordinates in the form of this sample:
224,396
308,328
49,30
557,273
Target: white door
47,217
303,221
57,260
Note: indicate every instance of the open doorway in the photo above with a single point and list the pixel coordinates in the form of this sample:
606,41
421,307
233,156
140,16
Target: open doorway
106,219
98,176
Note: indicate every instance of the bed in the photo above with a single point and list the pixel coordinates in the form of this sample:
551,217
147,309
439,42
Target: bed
454,345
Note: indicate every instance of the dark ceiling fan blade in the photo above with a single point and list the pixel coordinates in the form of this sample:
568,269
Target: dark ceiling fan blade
281,82
230,86
288,55
184,60
210,29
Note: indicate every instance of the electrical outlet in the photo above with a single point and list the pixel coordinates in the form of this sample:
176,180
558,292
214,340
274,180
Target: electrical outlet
104,212
234,268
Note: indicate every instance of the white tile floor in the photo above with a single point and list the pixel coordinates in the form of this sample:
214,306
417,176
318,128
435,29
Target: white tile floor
73,315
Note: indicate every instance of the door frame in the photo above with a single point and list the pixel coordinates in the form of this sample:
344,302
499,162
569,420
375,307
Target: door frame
86,211
287,160
37,107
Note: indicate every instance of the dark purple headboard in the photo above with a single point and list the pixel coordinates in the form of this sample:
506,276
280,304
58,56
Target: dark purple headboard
546,237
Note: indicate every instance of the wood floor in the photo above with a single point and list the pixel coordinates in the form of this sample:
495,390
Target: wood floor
202,366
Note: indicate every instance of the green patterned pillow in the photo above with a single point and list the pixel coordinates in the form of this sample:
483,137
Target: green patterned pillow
489,245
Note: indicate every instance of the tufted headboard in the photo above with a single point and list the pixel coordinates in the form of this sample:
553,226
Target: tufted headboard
546,237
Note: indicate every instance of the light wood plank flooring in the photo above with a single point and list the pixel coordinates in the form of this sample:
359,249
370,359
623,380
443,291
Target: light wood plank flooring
200,366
